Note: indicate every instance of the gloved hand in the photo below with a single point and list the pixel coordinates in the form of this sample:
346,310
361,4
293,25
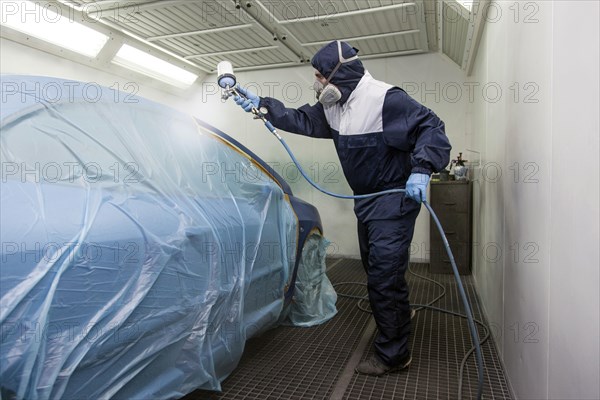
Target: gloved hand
416,187
247,103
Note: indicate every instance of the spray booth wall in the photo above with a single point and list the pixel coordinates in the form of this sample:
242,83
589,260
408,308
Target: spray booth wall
536,194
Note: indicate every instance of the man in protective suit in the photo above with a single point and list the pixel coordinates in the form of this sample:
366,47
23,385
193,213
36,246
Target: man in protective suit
385,140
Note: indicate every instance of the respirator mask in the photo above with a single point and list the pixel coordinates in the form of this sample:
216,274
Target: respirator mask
328,93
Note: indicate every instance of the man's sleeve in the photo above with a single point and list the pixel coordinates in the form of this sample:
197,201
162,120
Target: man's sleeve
412,127
307,120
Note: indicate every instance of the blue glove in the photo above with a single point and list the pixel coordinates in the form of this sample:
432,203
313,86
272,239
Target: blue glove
416,187
247,103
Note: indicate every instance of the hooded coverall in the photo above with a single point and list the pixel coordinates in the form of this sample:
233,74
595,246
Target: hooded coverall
381,136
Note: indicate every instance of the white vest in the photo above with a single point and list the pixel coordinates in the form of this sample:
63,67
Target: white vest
362,111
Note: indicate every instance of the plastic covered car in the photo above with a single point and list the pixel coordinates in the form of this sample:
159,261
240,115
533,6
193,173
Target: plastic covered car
141,247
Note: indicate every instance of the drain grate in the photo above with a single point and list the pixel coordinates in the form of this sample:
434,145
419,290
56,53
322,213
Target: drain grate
438,344
306,363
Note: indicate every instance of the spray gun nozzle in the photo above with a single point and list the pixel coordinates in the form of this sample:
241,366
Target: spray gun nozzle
227,81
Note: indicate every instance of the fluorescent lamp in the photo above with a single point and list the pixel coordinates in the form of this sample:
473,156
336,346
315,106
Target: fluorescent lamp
50,23
147,64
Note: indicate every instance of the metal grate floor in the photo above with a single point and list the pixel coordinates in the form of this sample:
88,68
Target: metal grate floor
289,363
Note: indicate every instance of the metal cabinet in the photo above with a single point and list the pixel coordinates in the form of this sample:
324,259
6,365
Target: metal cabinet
451,201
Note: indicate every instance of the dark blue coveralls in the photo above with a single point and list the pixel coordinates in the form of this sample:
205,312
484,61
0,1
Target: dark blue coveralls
381,136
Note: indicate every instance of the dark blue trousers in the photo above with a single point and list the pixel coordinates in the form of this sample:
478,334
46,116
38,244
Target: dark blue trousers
384,248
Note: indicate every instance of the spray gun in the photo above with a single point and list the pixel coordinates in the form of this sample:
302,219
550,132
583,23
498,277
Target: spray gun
227,81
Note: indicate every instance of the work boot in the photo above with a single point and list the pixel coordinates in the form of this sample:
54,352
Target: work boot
375,367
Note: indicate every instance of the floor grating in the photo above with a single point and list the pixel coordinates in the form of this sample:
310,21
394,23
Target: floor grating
289,363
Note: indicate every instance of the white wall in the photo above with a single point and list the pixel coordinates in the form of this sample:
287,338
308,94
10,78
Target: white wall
574,332
536,194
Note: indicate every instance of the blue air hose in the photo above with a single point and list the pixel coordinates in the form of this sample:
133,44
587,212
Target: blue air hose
463,295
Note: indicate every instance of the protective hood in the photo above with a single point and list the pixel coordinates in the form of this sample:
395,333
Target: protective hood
348,75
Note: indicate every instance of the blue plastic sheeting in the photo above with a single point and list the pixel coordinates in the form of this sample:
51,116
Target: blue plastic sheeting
314,297
139,250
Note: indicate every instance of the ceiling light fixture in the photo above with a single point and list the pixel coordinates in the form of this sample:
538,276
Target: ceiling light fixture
147,64
48,23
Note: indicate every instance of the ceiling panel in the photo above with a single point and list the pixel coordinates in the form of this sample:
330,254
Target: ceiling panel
204,31
175,18
455,25
263,58
390,44
354,25
238,39
431,23
290,10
